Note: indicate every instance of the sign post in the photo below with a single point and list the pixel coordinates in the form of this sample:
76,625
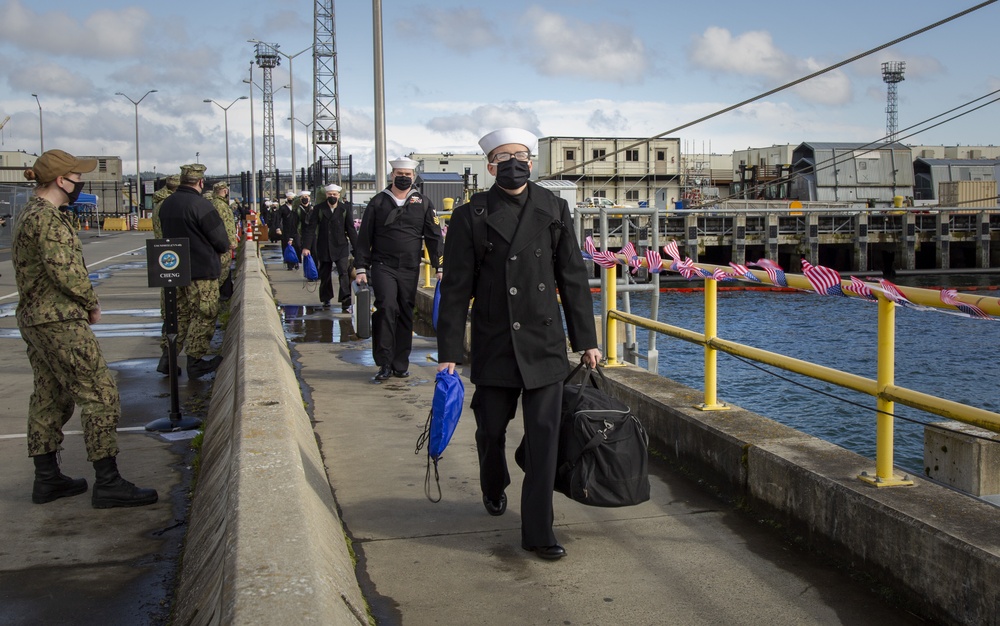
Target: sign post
168,266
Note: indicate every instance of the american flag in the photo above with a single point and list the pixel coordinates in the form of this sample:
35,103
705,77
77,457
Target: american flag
824,280
893,293
631,256
589,249
721,275
950,296
774,271
686,268
744,272
672,251
605,258
860,288
654,261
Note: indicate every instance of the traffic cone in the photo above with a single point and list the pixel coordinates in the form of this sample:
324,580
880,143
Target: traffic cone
86,224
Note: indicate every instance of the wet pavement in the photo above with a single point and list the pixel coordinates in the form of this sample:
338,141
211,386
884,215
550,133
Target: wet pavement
65,562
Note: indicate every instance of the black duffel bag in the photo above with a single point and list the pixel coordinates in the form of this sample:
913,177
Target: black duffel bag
602,446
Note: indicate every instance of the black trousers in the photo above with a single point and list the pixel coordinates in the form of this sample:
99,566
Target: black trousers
392,322
495,407
325,269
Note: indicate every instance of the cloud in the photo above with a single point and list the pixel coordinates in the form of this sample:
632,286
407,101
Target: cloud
754,54
608,122
105,34
485,118
564,47
47,79
458,29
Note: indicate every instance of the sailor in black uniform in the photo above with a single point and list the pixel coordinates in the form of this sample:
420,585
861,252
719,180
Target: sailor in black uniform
396,224
518,344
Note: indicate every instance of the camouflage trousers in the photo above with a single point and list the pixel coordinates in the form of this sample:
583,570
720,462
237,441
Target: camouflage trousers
227,260
70,370
197,308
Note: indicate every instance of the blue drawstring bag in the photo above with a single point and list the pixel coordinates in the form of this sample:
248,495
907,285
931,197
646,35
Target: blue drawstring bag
309,269
290,255
437,304
446,408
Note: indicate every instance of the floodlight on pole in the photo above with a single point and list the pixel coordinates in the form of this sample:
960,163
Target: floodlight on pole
138,179
291,94
225,112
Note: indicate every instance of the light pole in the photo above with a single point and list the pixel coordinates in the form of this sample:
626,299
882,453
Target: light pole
291,95
41,134
138,179
307,126
253,146
225,113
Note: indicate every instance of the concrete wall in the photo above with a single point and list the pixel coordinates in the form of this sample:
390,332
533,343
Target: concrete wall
265,544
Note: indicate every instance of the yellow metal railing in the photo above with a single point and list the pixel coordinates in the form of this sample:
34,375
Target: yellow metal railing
883,388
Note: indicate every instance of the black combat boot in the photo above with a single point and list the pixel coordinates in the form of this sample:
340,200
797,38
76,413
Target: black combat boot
50,483
163,366
199,367
111,490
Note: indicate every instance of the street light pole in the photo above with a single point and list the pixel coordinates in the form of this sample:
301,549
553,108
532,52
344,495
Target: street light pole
225,112
253,145
291,96
41,134
138,179
307,127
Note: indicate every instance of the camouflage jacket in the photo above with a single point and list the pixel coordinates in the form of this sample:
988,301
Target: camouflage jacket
227,218
52,278
161,194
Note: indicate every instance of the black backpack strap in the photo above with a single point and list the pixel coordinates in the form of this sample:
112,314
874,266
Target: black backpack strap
480,243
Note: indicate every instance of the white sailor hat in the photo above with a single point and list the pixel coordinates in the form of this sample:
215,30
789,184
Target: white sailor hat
403,163
304,193
492,141
332,187
289,194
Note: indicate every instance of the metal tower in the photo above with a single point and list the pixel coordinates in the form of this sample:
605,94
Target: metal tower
892,74
268,59
326,104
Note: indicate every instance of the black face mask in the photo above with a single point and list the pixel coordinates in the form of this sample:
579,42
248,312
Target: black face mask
513,174
75,194
402,182
332,201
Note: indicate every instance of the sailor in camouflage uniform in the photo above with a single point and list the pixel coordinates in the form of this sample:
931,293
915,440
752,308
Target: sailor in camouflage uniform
220,199
187,214
56,307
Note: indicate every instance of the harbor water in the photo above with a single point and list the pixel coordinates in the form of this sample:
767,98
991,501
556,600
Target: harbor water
944,355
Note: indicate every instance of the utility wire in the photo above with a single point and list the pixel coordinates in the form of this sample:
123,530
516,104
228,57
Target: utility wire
782,87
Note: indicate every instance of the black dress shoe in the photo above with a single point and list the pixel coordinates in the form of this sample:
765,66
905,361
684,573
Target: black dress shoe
549,553
399,374
495,508
384,373
326,304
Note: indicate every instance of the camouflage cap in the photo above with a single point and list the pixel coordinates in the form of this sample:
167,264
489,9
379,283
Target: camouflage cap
220,185
192,173
55,163
173,181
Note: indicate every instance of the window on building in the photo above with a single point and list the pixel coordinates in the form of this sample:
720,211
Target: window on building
661,155
102,165
599,153
631,155
632,194
571,155
600,194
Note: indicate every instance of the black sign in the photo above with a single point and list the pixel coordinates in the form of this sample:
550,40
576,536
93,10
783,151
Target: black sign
168,262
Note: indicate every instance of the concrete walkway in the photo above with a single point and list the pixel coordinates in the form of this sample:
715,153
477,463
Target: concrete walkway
684,557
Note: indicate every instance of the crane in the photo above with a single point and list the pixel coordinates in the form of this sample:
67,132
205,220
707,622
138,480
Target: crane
4,122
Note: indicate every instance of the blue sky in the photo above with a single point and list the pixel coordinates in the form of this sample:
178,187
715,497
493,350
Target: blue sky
455,70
